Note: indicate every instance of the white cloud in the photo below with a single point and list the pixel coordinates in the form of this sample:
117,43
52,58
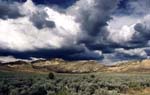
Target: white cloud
133,52
5,59
121,28
21,35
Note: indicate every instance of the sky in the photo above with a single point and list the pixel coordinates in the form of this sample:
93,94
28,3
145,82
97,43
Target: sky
104,30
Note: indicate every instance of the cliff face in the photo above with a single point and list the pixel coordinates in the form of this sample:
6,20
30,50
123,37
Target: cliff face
62,66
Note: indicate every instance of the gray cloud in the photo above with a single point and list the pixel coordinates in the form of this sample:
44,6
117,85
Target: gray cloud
139,7
9,10
39,20
141,36
93,16
143,31
93,19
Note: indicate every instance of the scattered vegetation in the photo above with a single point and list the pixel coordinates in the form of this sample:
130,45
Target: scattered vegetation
15,83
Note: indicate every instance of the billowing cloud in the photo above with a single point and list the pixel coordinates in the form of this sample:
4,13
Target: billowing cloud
40,28
143,29
93,16
129,30
87,29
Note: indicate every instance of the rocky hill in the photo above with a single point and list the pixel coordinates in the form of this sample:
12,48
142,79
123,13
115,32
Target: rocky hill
132,66
55,65
62,66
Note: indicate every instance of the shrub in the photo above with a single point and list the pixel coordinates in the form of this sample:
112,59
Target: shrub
51,75
92,76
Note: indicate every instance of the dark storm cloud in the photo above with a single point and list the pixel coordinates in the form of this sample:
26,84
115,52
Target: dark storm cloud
9,10
12,1
60,3
143,31
72,53
130,7
87,55
44,53
94,20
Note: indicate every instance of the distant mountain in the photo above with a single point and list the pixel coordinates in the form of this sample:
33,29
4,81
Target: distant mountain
62,66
